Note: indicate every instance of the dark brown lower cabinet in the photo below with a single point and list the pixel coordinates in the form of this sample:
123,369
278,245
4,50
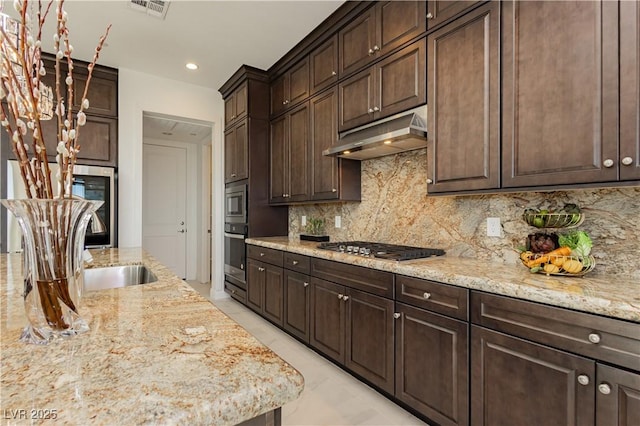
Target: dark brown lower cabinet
264,290
516,382
369,336
355,329
432,358
617,397
296,304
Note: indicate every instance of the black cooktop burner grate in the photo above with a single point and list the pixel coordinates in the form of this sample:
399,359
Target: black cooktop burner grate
380,250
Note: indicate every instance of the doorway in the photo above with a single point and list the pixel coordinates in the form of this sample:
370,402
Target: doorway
176,194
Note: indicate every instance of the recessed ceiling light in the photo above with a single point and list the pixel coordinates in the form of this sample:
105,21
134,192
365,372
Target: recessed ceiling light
191,66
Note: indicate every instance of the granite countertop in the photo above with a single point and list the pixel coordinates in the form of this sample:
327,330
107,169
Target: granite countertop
613,296
156,354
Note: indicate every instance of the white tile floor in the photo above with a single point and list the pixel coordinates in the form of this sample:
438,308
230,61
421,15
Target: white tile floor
331,396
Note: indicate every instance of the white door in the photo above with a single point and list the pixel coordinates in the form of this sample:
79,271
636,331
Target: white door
164,205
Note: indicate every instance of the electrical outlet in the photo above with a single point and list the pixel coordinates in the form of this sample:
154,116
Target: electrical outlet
303,221
338,222
493,227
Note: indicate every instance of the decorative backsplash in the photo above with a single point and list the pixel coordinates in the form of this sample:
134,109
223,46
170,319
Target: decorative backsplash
395,209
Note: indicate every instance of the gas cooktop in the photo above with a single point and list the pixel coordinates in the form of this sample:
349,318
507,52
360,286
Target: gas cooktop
380,250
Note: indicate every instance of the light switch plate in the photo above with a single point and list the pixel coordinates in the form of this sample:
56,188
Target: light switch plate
303,221
493,227
338,222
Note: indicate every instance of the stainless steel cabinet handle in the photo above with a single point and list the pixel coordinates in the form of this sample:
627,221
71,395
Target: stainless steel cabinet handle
284,102
376,48
429,181
260,268
426,295
334,190
607,163
261,254
345,298
236,236
397,315
340,296
295,262
370,52
306,284
370,110
233,175
583,379
334,73
429,15
594,338
376,109
627,161
604,388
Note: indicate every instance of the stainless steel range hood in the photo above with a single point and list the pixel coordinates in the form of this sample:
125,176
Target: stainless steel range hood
402,132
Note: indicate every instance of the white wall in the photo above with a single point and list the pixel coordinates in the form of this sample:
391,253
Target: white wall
139,92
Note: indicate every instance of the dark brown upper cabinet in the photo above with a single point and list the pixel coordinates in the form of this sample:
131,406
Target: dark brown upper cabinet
236,149
560,93
331,178
629,90
463,118
440,11
290,88
235,106
395,84
377,31
323,63
289,180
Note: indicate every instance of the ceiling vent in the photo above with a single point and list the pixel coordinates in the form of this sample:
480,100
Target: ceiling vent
155,8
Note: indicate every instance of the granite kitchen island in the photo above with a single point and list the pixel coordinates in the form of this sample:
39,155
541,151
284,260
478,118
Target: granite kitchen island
157,353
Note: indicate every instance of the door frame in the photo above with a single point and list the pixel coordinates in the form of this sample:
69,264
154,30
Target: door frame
197,260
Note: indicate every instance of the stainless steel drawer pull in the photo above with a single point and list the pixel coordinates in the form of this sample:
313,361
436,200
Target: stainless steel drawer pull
583,379
340,296
345,298
261,254
627,161
261,269
426,295
295,262
604,388
306,284
397,315
594,338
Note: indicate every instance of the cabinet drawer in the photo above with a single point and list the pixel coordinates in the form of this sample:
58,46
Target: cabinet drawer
264,254
605,339
236,292
297,262
437,297
365,279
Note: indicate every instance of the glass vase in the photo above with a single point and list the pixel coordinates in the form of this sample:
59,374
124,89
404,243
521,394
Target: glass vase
53,232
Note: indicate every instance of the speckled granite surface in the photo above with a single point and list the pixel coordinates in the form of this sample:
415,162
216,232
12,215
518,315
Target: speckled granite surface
156,354
615,296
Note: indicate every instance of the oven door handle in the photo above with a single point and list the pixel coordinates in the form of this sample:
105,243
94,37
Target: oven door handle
236,236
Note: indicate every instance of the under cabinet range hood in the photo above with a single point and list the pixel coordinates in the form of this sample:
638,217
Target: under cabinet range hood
399,133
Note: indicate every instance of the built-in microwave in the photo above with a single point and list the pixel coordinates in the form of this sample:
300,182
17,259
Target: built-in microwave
89,182
235,203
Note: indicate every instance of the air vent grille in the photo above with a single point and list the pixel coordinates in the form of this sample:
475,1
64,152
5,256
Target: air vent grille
156,8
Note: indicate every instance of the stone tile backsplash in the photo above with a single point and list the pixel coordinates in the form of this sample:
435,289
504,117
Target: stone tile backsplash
395,208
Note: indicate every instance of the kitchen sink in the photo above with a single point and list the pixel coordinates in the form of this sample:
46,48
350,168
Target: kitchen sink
117,276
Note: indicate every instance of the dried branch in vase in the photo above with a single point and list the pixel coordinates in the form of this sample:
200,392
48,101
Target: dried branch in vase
28,101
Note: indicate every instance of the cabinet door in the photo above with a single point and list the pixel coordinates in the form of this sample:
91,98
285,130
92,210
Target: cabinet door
298,154
324,65
229,110
240,100
432,365
98,140
463,117
279,158
229,154
255,285
369,327
296,304
324,134
560,92
617,397
629,90
102,95
439,11
327,313
356,100
400,80
298,82
514,381
356,41
241,149
398,22
278,94
273,306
